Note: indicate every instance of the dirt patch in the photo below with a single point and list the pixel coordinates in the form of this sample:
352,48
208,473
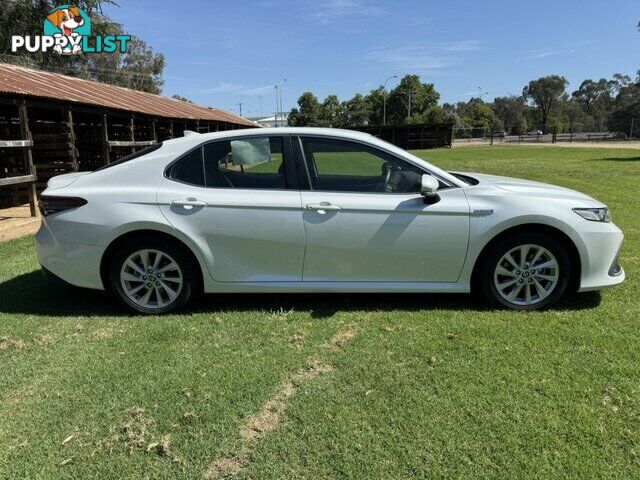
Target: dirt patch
131,433
298,340
17,222
577,144
340,339
102,334
270,415
223,467
266,420
22,392
8,342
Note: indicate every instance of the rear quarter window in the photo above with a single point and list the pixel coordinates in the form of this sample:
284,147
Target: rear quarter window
132,156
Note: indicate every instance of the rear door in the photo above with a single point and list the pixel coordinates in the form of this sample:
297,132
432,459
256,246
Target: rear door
365,219
238,199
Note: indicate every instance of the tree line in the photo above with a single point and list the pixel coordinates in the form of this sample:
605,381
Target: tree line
545,104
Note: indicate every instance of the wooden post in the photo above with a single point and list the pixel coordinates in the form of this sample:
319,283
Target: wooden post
132,129
105,140
74,148
171,129
154,131
27,156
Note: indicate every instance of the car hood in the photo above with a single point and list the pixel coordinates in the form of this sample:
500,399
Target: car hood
534,189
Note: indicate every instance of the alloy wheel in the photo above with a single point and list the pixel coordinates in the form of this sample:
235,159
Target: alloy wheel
151,278
526,275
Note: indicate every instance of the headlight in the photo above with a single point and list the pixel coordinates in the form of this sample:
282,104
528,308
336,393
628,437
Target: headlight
594,214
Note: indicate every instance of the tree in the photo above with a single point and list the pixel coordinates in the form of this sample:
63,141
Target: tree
544,93
411,94
374,101
512,111
138,68
308,113
181,98
626,108
330,112
356,112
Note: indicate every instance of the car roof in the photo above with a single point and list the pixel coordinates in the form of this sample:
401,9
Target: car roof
196,138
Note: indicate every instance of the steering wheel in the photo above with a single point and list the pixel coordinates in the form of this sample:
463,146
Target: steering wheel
387,186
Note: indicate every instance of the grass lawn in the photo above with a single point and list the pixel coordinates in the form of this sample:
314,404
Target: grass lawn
332,386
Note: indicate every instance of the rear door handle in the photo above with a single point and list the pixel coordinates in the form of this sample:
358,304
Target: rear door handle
189,203
323,208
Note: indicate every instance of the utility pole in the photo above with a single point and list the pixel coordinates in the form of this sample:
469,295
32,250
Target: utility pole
275,123
240,105
384,99
284,80
409,109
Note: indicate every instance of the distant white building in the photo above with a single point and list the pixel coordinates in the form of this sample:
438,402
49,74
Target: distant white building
279,120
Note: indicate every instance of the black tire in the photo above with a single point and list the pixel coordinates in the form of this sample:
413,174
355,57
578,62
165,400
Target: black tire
174,252
486,283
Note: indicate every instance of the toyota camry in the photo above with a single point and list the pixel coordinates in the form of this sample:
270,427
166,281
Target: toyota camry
317,210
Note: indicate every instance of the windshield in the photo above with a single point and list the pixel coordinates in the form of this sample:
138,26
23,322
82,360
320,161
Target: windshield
132,156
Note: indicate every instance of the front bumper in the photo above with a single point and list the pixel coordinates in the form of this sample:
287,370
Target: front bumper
600,256
74,263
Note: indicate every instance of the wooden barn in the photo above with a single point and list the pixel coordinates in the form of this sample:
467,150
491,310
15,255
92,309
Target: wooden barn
52,124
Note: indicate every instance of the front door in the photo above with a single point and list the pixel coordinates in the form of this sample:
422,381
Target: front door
365,219
238,201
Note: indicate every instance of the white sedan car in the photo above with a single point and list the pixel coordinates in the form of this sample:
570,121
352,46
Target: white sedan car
317,210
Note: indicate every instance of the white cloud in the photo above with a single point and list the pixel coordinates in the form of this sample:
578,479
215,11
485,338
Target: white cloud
223,87
424,57
557,50
237,88
332,10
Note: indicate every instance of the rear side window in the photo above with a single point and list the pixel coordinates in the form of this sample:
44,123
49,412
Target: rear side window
252,163
256,163
189,169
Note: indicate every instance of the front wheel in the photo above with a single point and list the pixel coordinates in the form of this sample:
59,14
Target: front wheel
527,271
152,276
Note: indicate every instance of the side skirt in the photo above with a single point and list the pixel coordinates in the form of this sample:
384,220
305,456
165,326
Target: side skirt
339,287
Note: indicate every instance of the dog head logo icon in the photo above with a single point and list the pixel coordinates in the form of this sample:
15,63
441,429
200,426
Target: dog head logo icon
68,25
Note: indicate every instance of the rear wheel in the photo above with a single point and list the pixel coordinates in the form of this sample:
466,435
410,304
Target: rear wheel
527,271
152,276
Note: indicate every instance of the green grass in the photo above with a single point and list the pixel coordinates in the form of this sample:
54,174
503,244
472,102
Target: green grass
430,386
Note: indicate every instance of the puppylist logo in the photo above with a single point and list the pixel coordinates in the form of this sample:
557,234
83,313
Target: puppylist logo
67,31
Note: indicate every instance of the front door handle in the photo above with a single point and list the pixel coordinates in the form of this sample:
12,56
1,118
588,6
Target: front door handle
189,203
324,207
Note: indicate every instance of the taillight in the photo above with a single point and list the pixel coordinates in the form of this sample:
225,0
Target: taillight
49,204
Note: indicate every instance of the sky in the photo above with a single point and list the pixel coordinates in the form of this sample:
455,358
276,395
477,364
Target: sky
220,53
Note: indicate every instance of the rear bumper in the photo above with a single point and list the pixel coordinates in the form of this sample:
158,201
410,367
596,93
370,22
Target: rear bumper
73,263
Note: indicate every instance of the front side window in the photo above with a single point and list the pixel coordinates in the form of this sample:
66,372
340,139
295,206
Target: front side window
345,166
256,163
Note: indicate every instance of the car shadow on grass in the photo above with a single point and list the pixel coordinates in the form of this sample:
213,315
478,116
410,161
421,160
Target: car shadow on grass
31,294
619,159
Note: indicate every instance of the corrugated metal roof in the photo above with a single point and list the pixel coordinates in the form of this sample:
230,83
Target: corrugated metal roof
27,81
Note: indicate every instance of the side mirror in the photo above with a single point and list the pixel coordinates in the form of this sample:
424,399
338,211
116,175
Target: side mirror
429,189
